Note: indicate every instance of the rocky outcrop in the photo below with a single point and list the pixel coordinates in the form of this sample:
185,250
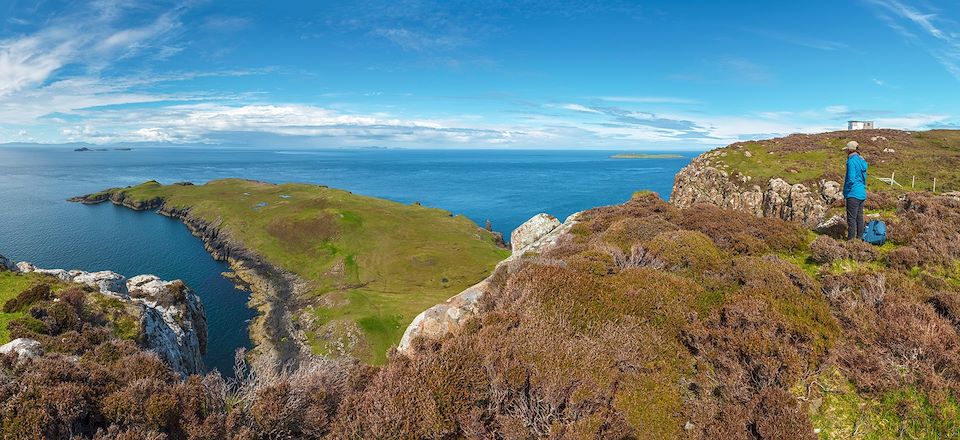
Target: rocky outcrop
171,317
537,234
23,347
704,182
532,230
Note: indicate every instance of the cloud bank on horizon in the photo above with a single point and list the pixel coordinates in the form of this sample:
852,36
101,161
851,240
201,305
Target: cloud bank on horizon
518,74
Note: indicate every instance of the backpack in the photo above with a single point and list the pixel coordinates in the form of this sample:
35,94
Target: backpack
875,233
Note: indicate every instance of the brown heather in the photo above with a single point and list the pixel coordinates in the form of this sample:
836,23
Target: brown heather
645,322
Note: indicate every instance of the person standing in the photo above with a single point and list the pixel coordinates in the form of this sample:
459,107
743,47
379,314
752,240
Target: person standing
855,190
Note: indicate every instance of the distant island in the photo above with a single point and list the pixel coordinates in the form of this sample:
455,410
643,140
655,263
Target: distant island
646,156
82,149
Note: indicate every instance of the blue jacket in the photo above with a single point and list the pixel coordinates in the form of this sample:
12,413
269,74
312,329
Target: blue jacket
855,184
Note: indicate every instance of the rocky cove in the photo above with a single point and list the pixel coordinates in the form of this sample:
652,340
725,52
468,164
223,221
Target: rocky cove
273,331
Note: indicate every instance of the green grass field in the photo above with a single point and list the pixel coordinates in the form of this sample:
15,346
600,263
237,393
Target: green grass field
371,262
12,284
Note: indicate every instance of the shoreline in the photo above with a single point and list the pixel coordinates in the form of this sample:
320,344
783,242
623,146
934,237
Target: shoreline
272,332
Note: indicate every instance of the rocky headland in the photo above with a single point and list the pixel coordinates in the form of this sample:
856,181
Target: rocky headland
799,177
315,257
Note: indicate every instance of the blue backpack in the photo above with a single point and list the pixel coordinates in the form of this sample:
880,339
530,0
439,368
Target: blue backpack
875,233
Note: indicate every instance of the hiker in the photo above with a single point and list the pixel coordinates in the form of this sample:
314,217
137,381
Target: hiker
855,190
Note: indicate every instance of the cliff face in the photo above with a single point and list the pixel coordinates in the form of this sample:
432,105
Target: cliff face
170,316
704,181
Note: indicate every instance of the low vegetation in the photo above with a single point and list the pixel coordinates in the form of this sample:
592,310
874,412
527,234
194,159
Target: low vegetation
372,265
646,321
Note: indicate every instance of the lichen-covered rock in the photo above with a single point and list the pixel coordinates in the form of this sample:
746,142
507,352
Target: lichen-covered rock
835,227
171,317
539,233
532,230
173,321
702,182
24,347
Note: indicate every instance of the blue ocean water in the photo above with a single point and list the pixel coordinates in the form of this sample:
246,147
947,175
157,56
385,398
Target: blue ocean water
505,187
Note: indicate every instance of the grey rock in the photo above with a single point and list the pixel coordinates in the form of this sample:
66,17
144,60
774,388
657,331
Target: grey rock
831,191
24,347
835,227
700,182
532,230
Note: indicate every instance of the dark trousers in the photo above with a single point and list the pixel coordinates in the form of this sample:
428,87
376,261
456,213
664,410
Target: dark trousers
854,218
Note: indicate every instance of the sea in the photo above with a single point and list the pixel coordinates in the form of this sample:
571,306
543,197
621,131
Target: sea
37,224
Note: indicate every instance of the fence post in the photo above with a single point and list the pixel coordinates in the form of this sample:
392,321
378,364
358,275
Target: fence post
934,185
913,183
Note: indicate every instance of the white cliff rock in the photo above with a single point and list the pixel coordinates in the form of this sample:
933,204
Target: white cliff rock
171,316
532,230
537,234
24,347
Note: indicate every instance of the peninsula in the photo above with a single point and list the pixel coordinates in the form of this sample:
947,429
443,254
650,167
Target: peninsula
332,272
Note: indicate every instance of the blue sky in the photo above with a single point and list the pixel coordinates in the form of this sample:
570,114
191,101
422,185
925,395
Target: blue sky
471,74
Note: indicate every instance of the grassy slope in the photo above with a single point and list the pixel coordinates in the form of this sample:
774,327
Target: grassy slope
808,158
10,285
374,262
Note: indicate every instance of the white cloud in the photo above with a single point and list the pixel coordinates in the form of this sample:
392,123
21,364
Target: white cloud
940,36
648,99
579,108
837,109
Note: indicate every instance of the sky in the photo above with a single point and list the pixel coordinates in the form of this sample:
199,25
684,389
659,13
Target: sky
653,75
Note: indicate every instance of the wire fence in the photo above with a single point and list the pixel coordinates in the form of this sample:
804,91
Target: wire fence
914,184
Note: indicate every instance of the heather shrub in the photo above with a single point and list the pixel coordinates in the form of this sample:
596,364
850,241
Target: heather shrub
743,233
826,250
23,300
898,333
626,232
931,225
859,250
685,250
903,258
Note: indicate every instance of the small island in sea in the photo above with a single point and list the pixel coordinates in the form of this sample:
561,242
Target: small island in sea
646,156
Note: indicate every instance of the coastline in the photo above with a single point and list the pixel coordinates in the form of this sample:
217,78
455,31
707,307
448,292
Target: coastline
273,332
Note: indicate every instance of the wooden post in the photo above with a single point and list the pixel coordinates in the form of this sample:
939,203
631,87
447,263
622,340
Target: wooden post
934,185
913,183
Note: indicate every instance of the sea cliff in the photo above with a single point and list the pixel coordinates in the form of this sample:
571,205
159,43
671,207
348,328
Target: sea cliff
170,318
